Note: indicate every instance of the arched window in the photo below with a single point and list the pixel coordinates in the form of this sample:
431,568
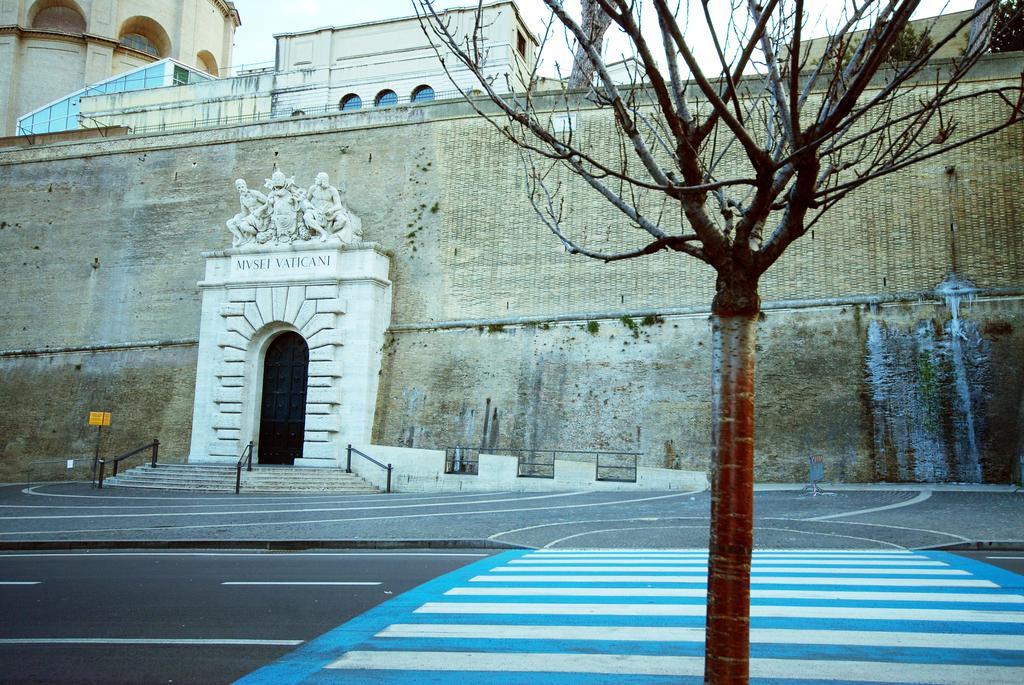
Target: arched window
385,98
145,35
57,15
207,62
137,41
423,94
350,103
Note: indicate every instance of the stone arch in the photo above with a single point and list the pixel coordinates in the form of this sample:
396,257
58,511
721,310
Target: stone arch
57,15
207,62
252,319
151,33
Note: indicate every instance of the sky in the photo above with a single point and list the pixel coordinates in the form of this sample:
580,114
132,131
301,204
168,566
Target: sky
261,19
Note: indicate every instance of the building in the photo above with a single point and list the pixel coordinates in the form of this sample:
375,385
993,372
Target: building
367,66
450,317
51,48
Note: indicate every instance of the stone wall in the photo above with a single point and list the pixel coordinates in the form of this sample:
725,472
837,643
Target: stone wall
103,240
825,385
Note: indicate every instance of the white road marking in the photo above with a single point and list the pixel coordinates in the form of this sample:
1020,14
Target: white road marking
396,517
285,582
250,501
757,569
360,507
340,498
755,593
880,556
20,582
921,497
865,638
862,523
268,554
757,610
570,523
758,560
887,553
142,641
1004,557
770,580
789,669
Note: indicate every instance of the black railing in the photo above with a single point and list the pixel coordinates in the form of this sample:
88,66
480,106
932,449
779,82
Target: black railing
611,466
116,461
616,466
245,458
462,460
348,466
81,465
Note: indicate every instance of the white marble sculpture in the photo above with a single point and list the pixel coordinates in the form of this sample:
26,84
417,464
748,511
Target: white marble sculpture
288,214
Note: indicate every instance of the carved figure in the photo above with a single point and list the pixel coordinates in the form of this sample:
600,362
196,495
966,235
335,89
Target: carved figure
337,218
247,223
287,213
312,217
283,206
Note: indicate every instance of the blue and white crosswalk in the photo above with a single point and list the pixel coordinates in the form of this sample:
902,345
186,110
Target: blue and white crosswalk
638,617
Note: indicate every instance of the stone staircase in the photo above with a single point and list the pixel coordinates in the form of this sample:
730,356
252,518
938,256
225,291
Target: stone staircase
213,478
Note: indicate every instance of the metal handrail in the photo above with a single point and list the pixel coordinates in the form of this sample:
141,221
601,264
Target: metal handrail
154,446
246,457
460,460
386,467
613,468
80,464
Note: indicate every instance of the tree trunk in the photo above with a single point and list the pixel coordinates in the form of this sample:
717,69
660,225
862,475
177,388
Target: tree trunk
727,634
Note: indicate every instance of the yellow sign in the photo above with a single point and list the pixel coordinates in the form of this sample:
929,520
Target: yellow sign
99,418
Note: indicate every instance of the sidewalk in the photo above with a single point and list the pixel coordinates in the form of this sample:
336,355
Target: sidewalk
851,517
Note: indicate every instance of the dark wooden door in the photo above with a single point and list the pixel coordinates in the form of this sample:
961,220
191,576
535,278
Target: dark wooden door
283,416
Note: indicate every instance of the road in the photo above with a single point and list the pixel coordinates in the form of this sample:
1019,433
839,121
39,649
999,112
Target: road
126,617
600,617
544,616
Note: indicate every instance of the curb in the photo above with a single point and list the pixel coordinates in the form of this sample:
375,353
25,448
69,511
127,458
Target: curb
979,545
267,545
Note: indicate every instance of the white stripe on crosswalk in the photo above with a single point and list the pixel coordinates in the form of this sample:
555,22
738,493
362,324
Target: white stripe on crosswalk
790,669
756,594
757,569
797,563
757,610
792,553
699,579
551,554
863,638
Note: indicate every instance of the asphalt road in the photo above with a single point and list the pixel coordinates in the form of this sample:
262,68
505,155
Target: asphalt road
884,517
114,617
1011,561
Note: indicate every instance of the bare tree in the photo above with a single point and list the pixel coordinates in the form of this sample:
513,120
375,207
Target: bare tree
729,160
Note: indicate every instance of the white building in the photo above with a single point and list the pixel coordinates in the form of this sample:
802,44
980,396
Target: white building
336,69
51,48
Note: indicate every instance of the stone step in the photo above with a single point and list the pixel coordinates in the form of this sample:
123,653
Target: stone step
213,478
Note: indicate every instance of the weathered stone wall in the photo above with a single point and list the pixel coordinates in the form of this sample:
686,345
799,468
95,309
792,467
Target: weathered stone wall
103,241
647,388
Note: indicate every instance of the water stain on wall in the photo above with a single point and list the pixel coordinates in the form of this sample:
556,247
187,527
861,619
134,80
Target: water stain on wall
928,396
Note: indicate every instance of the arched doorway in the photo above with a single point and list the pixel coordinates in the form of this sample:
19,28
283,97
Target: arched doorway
283,414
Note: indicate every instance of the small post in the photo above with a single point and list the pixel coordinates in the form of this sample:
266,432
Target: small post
117,463
238,477
96,458
348,466
156,450
102,466
389,478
